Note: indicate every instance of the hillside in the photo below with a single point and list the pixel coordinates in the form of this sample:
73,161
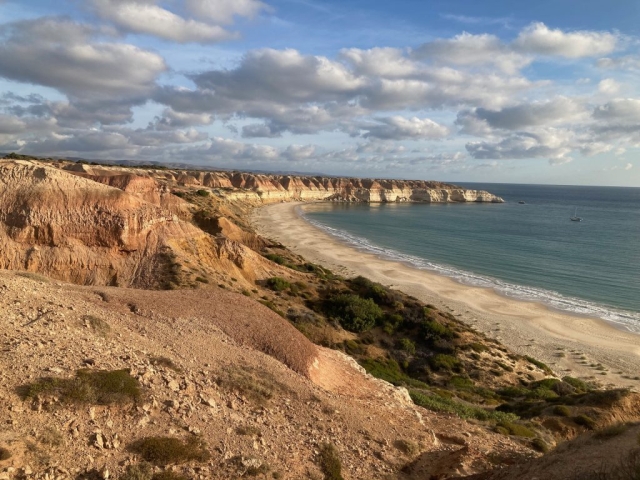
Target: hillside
148,332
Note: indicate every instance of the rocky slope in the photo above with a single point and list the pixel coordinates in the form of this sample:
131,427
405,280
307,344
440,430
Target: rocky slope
86,232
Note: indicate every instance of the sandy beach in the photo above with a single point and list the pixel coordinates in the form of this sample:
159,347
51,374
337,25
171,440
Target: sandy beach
583,347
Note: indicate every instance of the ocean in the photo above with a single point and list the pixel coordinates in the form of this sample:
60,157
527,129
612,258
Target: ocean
530,252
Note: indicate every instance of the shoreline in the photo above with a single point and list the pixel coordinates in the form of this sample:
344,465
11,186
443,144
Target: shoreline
569,344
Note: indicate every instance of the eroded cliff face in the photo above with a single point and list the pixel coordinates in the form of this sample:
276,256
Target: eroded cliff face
87,232
277,188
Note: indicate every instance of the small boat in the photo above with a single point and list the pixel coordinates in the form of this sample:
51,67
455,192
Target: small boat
522,202
575,217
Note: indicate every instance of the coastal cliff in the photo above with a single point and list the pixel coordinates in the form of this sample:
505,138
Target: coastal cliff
263,188
277,188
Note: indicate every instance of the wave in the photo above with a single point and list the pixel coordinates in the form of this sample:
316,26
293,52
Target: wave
625,319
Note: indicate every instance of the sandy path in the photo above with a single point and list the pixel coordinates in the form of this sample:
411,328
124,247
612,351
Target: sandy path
569,344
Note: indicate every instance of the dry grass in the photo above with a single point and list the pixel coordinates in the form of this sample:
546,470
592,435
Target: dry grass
101,387
168,450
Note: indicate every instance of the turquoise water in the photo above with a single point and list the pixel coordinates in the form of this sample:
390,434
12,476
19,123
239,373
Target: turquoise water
531,251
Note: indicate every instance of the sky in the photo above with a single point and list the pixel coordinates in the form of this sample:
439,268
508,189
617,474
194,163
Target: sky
455,90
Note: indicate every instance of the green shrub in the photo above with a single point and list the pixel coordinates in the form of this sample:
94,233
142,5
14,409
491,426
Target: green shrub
432,330
390,371
406,446
278,284
513,391
202,193
585,421
406,345
166,450
438,403
478,347
539,445
355,313
460,382
562,411
330,463
577,383
517,429
442,361
270,305
545,368
275,258
89,386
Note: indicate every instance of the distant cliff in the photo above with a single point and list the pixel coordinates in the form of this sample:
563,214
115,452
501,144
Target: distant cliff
277,188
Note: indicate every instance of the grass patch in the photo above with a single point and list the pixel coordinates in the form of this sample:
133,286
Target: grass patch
101,387
257,386
577,384
445,362
329,462
539,445
517,429
542,366
390,371
611,431
168,450
562,411
96,324
139,471
585,421
437,403
270,305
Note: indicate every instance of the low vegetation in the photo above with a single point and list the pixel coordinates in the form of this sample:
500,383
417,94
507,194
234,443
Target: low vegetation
170,450
5,454
329,462
101,387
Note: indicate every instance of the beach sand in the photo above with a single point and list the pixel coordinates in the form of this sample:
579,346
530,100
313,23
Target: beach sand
571,345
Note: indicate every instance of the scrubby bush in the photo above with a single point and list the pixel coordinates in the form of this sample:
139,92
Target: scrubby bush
406,345
354,313
278,284
585,421
442,361
167,450
577,384
517,429
140,471
406,446
438,403
390,371
539,445
562,411
545,368
433,330
611,431
202,193
329,462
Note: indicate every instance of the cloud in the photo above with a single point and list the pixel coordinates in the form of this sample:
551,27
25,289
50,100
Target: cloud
551,143
474,50
539,39
58,53
224,11
139,16
400,128
382,62
627,62
620,110
482,121
628,166
608,86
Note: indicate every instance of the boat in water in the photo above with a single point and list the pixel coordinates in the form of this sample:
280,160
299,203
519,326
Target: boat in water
575,217
522,202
